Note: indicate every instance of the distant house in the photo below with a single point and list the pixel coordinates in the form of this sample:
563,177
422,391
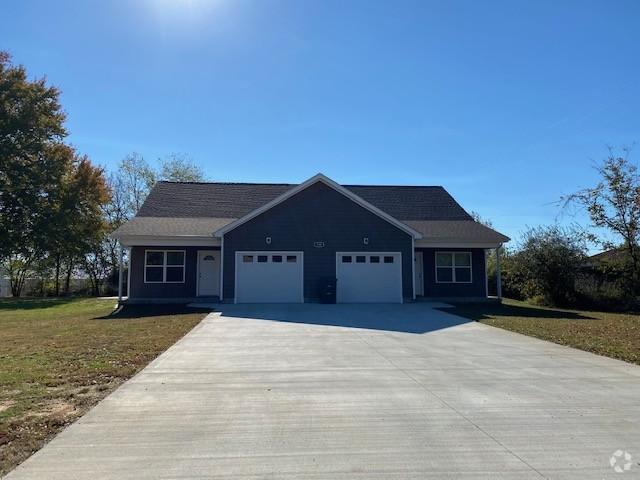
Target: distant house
613,255
248,243
5,285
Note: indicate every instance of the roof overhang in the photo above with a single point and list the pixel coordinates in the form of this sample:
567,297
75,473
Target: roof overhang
330,183
455,244
168,241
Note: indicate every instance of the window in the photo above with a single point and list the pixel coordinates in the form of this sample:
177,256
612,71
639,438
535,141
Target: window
164,266
361,259
292,259
247,259
276,259
374,259
346,259
388,259
262,258
453,267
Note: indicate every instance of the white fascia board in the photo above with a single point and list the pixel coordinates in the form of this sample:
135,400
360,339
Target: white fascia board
327,181
169,241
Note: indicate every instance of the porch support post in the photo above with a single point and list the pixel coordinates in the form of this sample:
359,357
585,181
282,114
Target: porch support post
121,253
498,274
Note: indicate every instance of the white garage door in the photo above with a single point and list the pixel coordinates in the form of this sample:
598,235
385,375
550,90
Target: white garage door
269,277
365,277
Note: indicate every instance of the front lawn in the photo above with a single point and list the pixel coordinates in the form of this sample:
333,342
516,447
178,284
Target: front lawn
59,357
615,335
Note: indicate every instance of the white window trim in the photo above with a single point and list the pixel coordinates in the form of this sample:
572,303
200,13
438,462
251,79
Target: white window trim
453,266
164,265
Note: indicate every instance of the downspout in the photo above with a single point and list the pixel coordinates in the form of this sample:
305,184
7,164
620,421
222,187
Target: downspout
498,274
413,265
221,268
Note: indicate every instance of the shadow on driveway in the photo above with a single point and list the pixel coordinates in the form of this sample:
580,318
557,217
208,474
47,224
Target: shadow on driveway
493,311
150,310
408,318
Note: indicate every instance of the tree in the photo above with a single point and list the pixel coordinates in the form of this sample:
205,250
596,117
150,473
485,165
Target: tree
614,204
484,221
32,159
547,264
79,224
136,178
179,168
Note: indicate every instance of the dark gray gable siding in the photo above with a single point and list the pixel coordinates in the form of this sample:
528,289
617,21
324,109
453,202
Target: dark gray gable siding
139,289
477,288
317,214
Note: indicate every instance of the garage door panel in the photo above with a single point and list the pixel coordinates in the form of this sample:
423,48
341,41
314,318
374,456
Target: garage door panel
369,277
269,277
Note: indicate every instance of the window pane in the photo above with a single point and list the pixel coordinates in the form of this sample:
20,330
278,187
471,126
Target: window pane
444,274
463,274
374,259
361,259
154,274
175,258
292,259
247,258
175,274
444,259
388,259
155,258
262,258
463,259
276,259
346,259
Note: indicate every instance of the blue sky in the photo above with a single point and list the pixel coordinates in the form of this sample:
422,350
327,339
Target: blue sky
505,103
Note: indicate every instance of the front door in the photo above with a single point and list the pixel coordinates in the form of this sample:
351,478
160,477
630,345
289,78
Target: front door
208,273
418,271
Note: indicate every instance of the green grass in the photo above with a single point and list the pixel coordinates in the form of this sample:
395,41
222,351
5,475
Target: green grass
615,335
59,357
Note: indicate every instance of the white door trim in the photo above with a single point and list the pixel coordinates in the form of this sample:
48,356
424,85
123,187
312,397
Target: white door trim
266,252
198,253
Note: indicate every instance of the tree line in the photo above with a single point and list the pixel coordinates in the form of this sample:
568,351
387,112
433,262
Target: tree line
56,206
550,264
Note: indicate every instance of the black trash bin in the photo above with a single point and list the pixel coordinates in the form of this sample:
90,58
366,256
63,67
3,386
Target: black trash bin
328,290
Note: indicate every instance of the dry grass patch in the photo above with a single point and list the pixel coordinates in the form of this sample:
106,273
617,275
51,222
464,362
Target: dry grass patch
615,335
60,357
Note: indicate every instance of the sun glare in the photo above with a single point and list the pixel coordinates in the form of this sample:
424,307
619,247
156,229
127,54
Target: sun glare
183,11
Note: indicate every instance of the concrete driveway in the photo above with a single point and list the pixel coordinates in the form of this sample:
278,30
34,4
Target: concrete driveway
356,392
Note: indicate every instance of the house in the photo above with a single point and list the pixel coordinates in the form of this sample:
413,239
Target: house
5,284
282,243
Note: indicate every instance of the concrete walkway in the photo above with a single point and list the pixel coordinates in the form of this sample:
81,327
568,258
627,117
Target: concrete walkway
356,392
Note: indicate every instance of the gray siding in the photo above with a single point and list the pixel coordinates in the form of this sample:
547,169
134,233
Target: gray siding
477,286
318,213
139,289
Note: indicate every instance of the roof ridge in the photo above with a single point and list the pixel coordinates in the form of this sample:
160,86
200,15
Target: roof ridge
346,185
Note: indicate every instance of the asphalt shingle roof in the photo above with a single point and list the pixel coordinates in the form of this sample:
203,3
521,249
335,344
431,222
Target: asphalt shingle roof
179,209
234,200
